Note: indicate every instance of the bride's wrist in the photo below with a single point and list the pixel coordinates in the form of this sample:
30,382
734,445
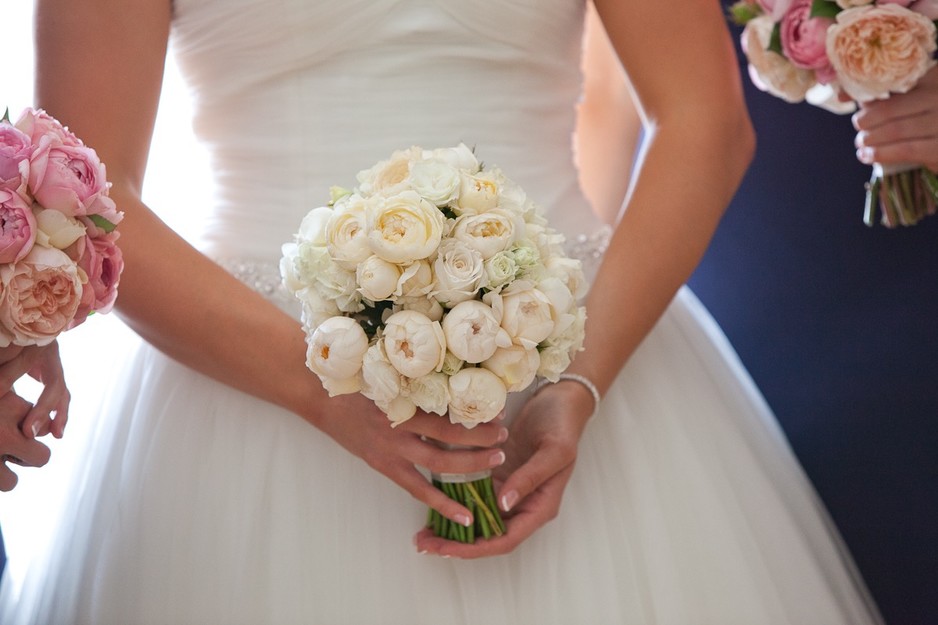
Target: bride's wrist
579,384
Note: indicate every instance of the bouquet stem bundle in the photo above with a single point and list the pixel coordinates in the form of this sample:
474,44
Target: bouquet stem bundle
477,495
904,197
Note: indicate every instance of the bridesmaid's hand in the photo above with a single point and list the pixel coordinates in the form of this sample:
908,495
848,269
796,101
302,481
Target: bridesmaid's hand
902,129
359,426
50,414
541,451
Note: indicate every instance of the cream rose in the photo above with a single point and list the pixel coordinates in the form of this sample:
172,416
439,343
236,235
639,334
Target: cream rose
413,343
490,232
404,227
878,50
430,392
336,349
459,271
436,181
770,71
55,229
377,278
473,332
476,396
515,366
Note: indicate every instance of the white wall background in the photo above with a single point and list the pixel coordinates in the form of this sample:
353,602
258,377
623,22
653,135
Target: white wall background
177,165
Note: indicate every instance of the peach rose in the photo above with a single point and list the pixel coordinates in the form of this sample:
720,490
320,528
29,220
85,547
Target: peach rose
878,50
771,72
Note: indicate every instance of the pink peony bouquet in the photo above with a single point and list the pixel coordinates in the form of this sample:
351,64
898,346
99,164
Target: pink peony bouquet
834,54
436,284
59,261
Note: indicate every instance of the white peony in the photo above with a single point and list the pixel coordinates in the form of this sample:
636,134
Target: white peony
381,382
413,343
526,313
554,361
399,409
489,232
426,306
430,392
336,348
459,157
416,280
515,366
346,234
473,331
377,278
478,193
403,228
313,227
476,396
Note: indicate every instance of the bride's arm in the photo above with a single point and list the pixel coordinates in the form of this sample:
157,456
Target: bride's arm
681,64
99,70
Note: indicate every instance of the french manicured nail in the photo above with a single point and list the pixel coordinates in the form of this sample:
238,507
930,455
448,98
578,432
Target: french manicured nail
463,520
35,428
497,459
509,499
865,155
503,435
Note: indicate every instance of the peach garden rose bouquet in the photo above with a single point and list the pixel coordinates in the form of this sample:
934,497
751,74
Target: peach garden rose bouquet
835,53
436,284
59,261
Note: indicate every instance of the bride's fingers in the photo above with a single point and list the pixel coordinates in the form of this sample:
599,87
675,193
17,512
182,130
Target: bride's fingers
549,460
440,429
417,485
431,456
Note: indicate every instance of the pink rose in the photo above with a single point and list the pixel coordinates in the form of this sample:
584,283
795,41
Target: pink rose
772,72
69,179
902,3
37,124
17,227
775,8
15,149
928,8
803,38
103,263
38,296
878,50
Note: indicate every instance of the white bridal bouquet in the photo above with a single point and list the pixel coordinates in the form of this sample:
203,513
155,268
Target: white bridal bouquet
436,284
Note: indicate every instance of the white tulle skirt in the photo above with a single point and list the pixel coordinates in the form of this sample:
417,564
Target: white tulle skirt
199,504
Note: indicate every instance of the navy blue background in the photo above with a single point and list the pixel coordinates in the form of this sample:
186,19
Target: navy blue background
838,324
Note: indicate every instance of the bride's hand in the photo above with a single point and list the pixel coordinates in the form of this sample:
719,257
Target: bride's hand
541,451
359,426
50,413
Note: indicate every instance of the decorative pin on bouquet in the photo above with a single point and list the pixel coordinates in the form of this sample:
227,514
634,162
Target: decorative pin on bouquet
837,53
59,261
436,284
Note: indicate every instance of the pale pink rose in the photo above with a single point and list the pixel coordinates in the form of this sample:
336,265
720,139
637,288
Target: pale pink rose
902,3
803,37
69,179
878,50
15,148
775,8
928,8
102,263
17,227
769,71
39,296
38,124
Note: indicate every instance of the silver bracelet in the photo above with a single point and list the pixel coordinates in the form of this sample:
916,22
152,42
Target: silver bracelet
582,379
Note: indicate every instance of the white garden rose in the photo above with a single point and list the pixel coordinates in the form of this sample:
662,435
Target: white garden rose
315,308
500,269
311,267
430,392
473,331
426,306
56,229
478,193
554,361
880,49
459,270
525,312
770,71
381,382
337,348
346,235
476,396
570,272
515,366
377,278
436,181
413,343
459,157
391,176
403,228
313,227
489,232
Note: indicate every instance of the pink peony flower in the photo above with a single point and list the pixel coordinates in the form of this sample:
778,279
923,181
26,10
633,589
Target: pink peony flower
775,8
102,263
37,124
928,8
69,179
17,227
15,149
902,3
38,296
769,71
803,39
878,50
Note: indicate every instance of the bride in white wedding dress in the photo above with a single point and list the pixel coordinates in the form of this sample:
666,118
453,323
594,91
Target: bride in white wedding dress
223,486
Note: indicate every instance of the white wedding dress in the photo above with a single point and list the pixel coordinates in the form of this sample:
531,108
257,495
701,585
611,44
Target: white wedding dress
198,504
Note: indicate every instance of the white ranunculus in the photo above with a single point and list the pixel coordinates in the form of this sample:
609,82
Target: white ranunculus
489,232
476,396
413,343
346,235
426,306
55,229
399,409
377,278
459,271
416,280
430,392
381,382
473,331
515,366
459,157
526,313
554,361
403,228
313,227
336,348
478,193
500,270
435,180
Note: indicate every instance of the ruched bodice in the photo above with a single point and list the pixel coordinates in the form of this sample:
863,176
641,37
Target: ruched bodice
292,97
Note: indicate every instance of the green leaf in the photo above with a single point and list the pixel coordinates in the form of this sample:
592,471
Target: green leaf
102,223
775,41
6,116
824,8
743,11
